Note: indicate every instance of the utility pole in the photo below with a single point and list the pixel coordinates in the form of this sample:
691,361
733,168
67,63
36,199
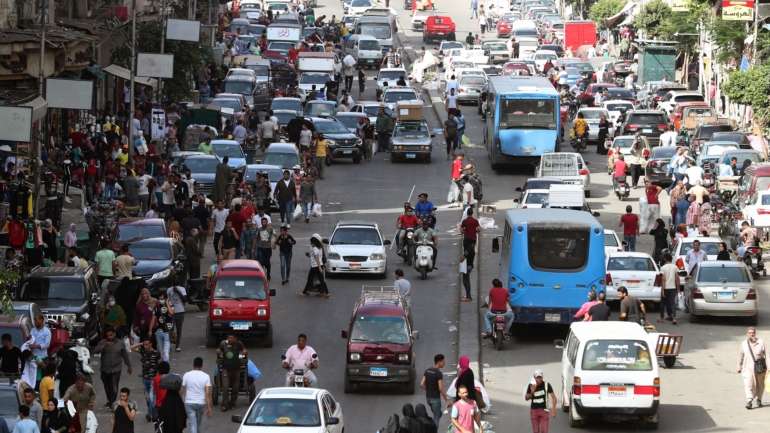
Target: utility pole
162,44
36,152
131,89
755,41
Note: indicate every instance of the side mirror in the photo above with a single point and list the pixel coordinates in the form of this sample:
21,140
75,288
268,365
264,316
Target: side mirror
515,200
236,419
386,242
272,292
332,421
558,343
416,335
682,273
518,189
596,214
344,334
496,245
326,241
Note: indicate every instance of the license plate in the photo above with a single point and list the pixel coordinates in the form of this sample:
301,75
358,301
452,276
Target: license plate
355,265
370,61
633,283
647,131
378,372
347,151
411,156
552,317
240,326
724,295
616,391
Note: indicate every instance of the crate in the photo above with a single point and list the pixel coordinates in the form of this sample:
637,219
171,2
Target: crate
409,110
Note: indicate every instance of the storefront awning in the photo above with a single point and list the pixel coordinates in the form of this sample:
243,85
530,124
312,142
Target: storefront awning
125,74
39,108
622,16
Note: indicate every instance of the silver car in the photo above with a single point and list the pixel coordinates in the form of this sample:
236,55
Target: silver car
721,288
411,140
470,89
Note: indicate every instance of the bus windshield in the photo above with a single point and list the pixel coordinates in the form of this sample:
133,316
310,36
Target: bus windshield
378,31
567,245
527,113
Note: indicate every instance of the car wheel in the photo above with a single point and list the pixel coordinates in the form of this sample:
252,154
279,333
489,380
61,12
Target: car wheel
564,399
409,386
357,159
669,361
211,338
350,387
268,341
574,420
588,193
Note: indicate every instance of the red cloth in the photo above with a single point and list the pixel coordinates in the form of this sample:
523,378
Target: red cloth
16,234
408,221
457,166
248,211
652,194
238,220
470,226
498,299
619,168
630,224
160,393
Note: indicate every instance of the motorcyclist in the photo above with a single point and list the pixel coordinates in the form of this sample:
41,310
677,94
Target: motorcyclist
580,127
498,304
427,234
301,356
423,207
619,170
405,221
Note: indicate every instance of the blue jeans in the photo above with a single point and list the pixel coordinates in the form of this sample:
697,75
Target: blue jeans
148,394
435,407
194,413
285,266
287,212
490,316
163,339
630,243
307,209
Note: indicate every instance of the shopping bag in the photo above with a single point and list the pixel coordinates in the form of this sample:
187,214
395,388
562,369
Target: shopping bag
466,140
297,212
451,197
680,304
317,210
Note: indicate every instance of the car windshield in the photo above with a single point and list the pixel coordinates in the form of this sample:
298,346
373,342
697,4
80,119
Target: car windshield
698,111
320,109
741,157
624,355
620,93
350,122
711,248
736,137
369,45
228,150
630,264
527,113
240,288
723,274
688,98
238,86
150,252
233,104
283,160
623,143
284,118
374,110
619,107
610,240
411,130
592,114
545,56
646,119
280,46
378,31
273,174
257,29
551,248
718,149
473,81
286,104
540,198
495,46
41,289
380,329
201,165
390,75
259,70
9,401
705,132
284,412
519,33
663,152
330,127
399,96
356,236
360,3
317,79
127,232
451,44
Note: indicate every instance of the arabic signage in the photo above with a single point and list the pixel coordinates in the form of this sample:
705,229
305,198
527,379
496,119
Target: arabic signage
679,5
738,10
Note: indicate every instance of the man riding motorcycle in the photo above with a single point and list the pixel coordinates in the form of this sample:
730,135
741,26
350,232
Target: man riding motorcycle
580,128
427,234
423,207
407,220
301,356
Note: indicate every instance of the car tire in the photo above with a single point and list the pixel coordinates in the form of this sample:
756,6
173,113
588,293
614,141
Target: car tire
753,320
409,386
573,421
588,193
211,338
669,361
268,341
651,423
357,159
350,387
564,397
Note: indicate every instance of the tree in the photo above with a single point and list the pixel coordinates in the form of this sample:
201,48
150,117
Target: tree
8,280
751,87
603,9
654,19
728,36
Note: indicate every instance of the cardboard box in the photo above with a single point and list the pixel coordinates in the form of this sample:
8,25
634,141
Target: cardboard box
409,110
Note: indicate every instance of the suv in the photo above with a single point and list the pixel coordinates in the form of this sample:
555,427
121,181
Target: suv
239,302
438,28
649,123
160,262
342,142
67,295
357,247
380,341
411,140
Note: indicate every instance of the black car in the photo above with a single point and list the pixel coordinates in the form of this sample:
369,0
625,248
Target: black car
620,93
649,123
342,142
703,133
159,262
735,136
68,295
657,165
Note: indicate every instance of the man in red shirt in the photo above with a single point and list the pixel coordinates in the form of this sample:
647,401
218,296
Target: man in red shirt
470,229
619,170
498,304
238,220
630,224
408,220
653,205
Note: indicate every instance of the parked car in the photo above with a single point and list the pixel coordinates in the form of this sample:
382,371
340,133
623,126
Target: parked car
356,247
721,288
637,272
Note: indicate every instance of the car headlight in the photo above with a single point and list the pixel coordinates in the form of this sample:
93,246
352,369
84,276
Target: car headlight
261,311
426,148
216,311
403,357
359,141
333,256
377,256
160,275
355,357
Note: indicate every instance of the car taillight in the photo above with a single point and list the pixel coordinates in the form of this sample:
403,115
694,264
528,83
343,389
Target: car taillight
658,280
646,153
610,152
632,126
696,293
752,295
583,172
656,387
576,388
680,263
652,164
763,211
662,126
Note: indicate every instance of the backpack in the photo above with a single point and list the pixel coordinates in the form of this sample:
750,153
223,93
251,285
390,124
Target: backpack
476,183
451,128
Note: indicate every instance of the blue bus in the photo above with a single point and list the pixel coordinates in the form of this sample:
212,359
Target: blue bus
522,119
549,260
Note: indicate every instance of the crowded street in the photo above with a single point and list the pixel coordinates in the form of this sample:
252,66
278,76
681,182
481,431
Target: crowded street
542,188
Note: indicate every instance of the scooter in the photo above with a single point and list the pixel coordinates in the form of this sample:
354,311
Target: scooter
423,258
406,249
297,377
498,331
621,189
579,144
753,260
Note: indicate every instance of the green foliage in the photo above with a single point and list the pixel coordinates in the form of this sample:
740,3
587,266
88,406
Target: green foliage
8,279
763,47
603,9
728,36
653,18
751,87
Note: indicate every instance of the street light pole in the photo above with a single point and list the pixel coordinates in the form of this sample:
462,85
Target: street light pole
37,146
131,89
755,41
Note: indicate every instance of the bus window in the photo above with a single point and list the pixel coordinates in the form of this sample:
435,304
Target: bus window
569,246
526,113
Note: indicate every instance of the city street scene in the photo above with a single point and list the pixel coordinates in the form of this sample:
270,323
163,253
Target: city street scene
375,216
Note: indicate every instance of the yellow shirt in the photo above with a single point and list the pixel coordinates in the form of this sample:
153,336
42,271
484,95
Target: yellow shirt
122,158
46,389
320,148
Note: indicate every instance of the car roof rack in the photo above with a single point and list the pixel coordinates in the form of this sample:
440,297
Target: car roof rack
381,294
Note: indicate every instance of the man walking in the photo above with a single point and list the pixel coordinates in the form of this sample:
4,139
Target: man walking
752,365
25,424
470,228
671,286
265,245
114,354
150,359
384,127
433,384
465,413
629,222
599,312
285,243
631,309
286,195
230,351
196,386
539,393
218,220
474,14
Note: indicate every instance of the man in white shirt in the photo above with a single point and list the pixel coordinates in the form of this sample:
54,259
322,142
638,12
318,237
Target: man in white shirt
218,220
694,256
168,188
302,356
266,131
668,138
671,286
196,387
239,132
694,174
144,180
629,81
451,100
451,84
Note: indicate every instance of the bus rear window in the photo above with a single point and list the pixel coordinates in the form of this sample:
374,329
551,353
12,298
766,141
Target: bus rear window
558,248
620,355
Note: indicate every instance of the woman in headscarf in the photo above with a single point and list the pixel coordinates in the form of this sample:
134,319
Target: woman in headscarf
693,212
604,130
465,377
54,420
409,422
660,233
71,237
144,313
706,217
172,417
428,426
48,235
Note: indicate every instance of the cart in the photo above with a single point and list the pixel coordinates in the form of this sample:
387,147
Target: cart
667,346
247,386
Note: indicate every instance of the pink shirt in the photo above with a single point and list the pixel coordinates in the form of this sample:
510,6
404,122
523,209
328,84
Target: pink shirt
299,358
584,309
463,412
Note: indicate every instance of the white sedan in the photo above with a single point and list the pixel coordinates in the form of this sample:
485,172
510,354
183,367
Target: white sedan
637,272
356,247
616,107
612,244
292,410
758,211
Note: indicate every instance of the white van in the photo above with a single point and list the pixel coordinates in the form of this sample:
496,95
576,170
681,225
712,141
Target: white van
365,49
610,369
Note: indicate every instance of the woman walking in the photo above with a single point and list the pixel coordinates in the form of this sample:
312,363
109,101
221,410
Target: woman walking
229,241
604,130
143,314
660,234
465,377
706,217
752,365
317,265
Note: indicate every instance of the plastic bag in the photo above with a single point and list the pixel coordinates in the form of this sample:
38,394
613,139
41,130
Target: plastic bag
466,140
680,304
451,197
317,210
297,212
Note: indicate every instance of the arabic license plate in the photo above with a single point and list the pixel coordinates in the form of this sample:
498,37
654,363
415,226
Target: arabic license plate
553,317
378,372
347,151
646,130
355,265
632,283
369,60
616,391
724,295
411,156
240,326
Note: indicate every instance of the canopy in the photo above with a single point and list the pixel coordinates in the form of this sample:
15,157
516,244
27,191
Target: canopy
625,16
125,74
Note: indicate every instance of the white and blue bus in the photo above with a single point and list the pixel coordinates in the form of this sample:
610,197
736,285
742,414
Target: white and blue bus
522,119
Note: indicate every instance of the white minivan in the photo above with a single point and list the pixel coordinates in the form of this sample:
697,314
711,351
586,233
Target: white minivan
365,49
610,369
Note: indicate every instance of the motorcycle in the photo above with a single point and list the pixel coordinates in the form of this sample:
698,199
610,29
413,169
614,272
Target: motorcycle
579,144
498,331
423,258
298,377
406,249
752,258
621,189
